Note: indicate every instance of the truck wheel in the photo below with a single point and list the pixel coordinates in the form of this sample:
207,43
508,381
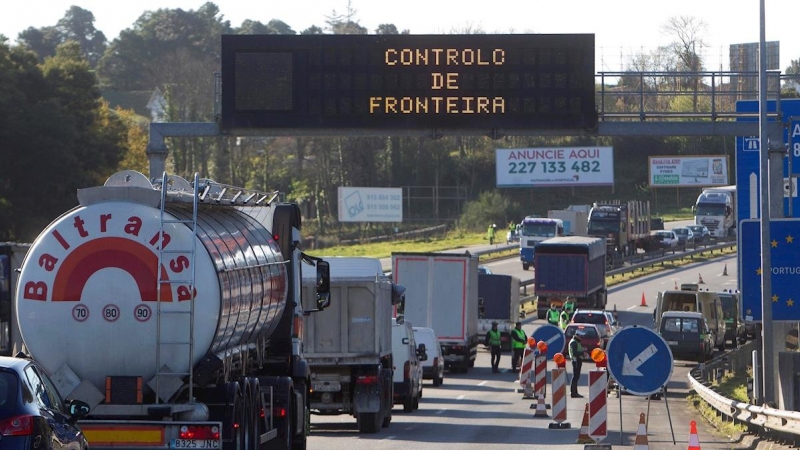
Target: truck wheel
408,404
300,441
416,400
368,422
387,419
525,266
437,378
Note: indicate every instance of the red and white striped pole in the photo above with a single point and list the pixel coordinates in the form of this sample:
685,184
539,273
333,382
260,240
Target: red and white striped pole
598,394
540,369
525,378
559,377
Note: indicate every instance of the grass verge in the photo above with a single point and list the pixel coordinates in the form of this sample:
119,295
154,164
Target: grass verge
732,386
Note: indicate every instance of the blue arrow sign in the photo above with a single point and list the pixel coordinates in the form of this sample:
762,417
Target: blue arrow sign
748,163
640,360
554,338
785,261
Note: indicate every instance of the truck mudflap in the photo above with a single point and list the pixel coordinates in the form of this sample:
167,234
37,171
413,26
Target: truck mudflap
139,435
367,397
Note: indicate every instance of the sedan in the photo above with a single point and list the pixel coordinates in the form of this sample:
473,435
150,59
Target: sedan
685,236
666,239
701,233
591,337
32,412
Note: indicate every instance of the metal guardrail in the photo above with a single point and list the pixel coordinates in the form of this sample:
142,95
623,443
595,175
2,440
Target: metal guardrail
770,419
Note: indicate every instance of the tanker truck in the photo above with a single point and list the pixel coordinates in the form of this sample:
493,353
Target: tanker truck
174,310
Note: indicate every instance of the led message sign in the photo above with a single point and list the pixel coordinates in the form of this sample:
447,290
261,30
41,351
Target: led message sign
408,82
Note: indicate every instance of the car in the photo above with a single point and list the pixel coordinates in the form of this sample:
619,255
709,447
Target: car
666,239
407,357
687,335
433,367
33,414
734,329
701,233
612,320
685,236
591,337
597,317
483,270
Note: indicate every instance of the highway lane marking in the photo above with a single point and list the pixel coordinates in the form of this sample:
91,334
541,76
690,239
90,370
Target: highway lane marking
389,438
482,383
460,397
441,411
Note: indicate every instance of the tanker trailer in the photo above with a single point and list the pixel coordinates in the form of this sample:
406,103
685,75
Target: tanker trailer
174,310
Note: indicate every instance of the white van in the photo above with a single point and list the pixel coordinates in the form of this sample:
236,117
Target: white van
433,367
691,299
407,366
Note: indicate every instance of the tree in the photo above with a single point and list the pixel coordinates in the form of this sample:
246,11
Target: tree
76,25
687,46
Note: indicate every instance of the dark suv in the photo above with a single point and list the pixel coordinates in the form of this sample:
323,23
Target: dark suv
687,335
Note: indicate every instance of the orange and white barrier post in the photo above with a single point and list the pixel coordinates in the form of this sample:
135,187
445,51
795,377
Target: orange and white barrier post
559,377
540,375
598,382
526,371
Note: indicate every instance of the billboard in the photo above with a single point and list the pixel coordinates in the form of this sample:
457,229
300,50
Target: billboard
554,166
681,171
447,83
365,204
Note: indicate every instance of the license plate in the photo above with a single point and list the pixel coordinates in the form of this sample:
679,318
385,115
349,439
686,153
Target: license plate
193,443
452,357
672,342
328,387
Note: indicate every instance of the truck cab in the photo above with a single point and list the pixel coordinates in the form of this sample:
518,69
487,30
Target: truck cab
715,208
533,231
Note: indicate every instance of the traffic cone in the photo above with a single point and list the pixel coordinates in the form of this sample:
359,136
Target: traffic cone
700,279
694,441
641,435
644,303
583,435
725,271
541,408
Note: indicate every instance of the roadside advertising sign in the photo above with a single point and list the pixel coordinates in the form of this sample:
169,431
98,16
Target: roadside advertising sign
363,204
555,166
678,171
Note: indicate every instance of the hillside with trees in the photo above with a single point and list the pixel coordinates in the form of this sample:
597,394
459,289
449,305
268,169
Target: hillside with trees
65,135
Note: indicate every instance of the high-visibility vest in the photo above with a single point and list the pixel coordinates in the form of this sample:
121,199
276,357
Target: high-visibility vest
569,307
564,319
521,335
552,316
575,349
494,338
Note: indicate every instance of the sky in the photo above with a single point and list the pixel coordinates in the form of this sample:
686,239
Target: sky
621,27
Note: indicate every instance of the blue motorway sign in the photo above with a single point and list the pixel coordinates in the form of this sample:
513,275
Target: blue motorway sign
748,164
554,338
785,262
639,359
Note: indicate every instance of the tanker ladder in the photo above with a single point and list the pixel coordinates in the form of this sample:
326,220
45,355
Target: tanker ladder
180,187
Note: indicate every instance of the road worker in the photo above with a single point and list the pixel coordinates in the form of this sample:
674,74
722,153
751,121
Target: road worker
491,232
552,315
518,341
492,341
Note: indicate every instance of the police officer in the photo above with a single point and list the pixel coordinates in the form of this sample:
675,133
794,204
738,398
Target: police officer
575,354
569,306
564,318
552,315
518,342
493,342
490,233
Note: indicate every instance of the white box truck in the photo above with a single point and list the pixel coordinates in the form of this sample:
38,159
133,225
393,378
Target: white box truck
349,345
442,293
576,222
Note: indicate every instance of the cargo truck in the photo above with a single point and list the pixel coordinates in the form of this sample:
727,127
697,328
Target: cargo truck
576,222
624,225
498,299
174,309
348,346
533,231
442,293
716,209
570,266
11,256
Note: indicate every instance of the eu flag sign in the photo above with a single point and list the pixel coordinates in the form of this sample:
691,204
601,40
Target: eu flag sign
785,261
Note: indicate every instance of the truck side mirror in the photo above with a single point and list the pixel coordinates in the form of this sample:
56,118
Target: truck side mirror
323,284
